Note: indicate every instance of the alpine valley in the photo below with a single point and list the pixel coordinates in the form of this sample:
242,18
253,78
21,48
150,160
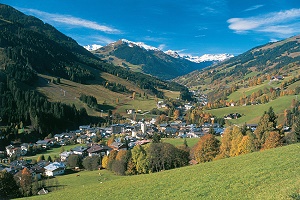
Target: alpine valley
130,121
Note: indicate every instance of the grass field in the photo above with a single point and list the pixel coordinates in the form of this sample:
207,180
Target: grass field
179,141
252,114
272,174
52,152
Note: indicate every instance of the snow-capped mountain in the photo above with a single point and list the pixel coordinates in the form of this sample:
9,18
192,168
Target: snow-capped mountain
199,59
208,57
172,53
92,47
140,44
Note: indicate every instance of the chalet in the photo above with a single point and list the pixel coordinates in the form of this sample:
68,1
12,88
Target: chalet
59,137
54,169
64,155
82,139
37,171
12,150
98,150
80,150
118,146
117,128
44,143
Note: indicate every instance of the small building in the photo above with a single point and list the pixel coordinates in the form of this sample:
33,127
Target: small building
54,169
98,150
80,150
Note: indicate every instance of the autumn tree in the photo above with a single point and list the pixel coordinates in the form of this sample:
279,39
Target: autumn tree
111,140
206,149
273,140
176,114
25,182
225,144
111,157
246,145
237,137
104,161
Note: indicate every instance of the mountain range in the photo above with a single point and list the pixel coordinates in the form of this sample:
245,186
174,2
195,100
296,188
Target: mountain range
141,57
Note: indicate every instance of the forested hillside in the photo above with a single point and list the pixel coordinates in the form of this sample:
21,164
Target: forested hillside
259,75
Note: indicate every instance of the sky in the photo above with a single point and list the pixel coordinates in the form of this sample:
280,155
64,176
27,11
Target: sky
193,27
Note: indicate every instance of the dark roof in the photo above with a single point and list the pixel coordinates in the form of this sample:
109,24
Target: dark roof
98,148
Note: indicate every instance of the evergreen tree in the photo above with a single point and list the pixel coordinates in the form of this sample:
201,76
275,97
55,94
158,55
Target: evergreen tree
8,186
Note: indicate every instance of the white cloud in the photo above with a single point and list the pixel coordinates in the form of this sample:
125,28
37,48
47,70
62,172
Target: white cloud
253,8
273,40
102,39
281,23
161,46
70,20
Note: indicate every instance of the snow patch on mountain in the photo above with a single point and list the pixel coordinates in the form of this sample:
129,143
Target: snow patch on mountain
92,47
199,59
140,44
208,57
172,53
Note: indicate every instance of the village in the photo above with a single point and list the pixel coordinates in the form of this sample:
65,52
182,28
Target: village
87,137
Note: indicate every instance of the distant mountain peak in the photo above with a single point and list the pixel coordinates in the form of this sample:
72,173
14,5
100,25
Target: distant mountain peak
209,57
140,44
199,59
172,53
92,47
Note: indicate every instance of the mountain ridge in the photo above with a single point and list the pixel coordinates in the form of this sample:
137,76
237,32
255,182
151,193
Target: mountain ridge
147,59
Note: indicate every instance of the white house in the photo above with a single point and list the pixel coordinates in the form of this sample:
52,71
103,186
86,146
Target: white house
55,169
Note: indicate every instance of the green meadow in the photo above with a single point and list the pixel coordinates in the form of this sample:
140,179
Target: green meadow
252,113
271,174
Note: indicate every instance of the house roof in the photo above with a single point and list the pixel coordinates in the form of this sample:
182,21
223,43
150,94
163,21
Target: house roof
79,149
97,148
54,166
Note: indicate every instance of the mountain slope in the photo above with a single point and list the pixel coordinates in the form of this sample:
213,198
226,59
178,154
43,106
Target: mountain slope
147,59
264,62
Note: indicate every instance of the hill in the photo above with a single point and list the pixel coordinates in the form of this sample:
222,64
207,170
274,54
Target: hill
271,174
274,59
143,58
259,76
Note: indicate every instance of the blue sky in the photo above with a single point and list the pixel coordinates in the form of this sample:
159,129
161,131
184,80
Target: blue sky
192,27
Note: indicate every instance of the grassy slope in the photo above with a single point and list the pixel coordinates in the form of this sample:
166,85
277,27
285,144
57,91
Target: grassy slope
252,114
55,92
179,141
272,174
